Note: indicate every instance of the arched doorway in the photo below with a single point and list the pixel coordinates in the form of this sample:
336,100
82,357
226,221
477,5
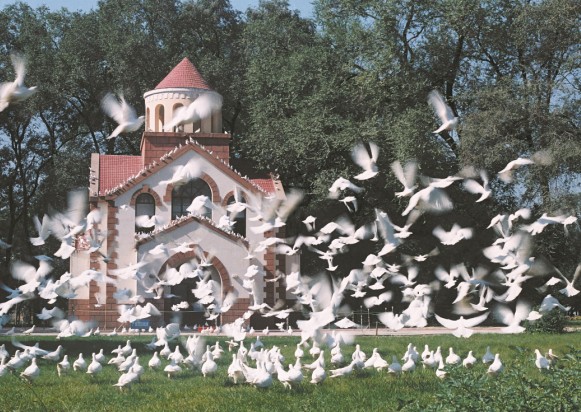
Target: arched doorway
196,283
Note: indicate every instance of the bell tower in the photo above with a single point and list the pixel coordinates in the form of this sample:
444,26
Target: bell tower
180,88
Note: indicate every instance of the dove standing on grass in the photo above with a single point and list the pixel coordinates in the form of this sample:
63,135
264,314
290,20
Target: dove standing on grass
80,363
488,356
469,361
496,366
31,372
94,367
122,113
63,366
16,91
443,111
541,362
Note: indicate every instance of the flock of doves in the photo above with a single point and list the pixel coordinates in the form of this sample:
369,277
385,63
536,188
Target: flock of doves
268,362
479,291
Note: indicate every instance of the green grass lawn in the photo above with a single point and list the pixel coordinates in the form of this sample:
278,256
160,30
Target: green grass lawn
363,391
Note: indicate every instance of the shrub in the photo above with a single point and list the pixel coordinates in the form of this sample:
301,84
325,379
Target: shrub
551,322
514,390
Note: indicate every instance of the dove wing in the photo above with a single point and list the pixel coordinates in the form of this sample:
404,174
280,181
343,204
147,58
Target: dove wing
127,112
447,323
473,186
19,64
475,321
441,108
112,108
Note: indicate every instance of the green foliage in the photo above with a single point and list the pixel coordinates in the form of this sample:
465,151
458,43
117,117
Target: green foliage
516,389
362,391
300,93
551,322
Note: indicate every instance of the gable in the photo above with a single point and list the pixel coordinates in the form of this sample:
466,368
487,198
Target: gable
138,174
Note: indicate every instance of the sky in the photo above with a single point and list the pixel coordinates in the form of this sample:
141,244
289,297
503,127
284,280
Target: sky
303,6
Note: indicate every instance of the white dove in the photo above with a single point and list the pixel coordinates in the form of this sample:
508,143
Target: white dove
496,367
429,198
512,319
64,366
199,109
366,160
16,91
122,113
479,189
570,290
443,111
342,184
31,372
455,235
506,173
406,176
541,362
461,327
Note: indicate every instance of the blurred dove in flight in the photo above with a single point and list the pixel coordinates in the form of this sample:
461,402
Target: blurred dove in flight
443,111
406,176
506,174
122,113
16,91
199,109
366,160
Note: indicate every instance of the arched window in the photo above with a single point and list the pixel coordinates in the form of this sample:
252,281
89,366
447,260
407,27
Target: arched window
182,197
147,120
239,218
159,118
179,128
144,206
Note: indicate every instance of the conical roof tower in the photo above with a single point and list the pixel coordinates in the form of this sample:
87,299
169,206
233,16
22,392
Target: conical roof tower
182,85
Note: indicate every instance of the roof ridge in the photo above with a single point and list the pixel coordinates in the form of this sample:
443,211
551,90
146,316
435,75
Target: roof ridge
147,169
146,237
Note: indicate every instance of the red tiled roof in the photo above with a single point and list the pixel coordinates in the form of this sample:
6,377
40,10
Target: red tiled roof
184,74
115,169
266,184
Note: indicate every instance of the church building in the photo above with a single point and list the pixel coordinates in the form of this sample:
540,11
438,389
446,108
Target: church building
151,248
